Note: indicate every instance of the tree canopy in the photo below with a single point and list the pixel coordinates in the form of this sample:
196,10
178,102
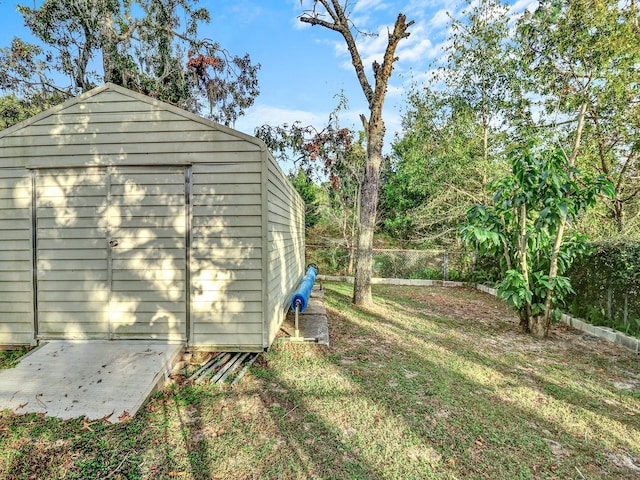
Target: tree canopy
524,224
584,56
564,74
150,46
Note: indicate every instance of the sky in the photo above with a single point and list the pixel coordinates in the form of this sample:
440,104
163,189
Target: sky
303,67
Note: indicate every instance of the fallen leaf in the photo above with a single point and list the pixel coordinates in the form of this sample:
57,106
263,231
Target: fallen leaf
124,416
106,417
86,425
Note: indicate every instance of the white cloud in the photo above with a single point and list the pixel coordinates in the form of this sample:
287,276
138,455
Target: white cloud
372,48
440,19
368,5
419,9
422,50
267,114
395,91
418,47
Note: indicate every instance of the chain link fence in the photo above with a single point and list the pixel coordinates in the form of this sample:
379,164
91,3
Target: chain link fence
410,264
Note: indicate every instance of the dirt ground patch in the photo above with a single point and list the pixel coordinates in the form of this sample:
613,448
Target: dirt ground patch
469,304
464,303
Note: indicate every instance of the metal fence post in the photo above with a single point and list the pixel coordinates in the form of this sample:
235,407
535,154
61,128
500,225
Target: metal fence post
445,265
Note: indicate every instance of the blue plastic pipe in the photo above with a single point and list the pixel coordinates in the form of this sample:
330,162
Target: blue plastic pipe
301,295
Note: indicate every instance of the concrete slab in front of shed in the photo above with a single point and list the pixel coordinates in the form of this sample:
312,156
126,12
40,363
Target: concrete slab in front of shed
97,379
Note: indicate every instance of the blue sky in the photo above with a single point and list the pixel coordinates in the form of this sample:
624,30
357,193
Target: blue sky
304,67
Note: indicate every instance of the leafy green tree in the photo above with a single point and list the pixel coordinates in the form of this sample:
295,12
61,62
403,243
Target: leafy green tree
310,193
151,46
480,70
437,169
16,109
525,226
335,157
583,58
455,130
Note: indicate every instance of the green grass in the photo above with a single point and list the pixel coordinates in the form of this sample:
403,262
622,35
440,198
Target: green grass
430,383
8,358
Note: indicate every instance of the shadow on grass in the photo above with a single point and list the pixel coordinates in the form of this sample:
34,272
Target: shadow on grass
558,390
314,444
459,403
399,394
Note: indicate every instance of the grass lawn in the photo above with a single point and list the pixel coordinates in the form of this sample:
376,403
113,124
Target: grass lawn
431,383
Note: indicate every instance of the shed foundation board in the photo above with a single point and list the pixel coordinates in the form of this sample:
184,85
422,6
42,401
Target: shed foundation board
95,379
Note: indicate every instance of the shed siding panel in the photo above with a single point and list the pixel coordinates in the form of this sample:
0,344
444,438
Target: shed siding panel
148,264
119,158
16,260
226,265
111,253
112,147
71,211
285,243
114,128
205,138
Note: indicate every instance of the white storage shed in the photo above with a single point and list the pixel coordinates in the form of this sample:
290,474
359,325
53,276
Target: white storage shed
122,217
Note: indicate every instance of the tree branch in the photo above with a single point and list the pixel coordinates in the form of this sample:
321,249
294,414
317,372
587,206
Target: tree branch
341,24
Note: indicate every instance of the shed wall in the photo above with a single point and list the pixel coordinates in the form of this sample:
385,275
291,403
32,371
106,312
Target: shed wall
16,260
111,253
111,128
285,235
226,254
71,251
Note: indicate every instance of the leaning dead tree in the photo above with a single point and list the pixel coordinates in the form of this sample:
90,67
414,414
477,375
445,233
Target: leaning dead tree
330,14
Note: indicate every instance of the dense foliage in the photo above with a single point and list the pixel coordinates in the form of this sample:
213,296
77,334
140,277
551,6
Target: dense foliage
607,285
333,157
563,74
310,193
436,170
584,55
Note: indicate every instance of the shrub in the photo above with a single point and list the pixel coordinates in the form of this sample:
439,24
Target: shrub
607,285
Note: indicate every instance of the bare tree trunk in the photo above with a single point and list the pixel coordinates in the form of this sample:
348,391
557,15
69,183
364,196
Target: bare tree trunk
108,46
368,209
505,246
618,212
336,20
526,318
354,229
84,10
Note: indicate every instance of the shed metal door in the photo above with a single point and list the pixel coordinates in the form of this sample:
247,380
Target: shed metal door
111,253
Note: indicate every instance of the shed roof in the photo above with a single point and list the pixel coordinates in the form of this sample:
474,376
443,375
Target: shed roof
156,104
